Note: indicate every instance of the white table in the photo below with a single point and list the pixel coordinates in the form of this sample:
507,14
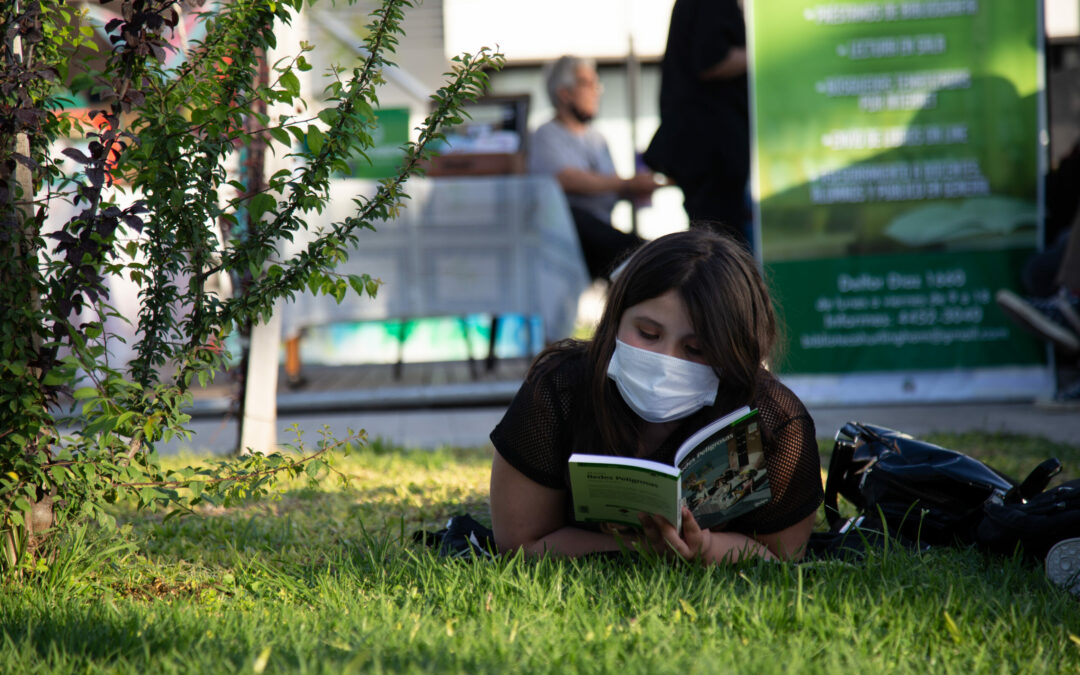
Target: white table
490,245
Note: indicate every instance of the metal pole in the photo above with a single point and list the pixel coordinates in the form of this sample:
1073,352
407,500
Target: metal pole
633,71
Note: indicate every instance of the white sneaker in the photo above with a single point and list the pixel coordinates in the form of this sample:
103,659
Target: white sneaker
1063,565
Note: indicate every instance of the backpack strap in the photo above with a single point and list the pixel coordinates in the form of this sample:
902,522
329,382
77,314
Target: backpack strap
1039,478
839,465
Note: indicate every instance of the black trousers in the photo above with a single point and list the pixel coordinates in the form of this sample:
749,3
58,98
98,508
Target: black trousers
717,202
604,246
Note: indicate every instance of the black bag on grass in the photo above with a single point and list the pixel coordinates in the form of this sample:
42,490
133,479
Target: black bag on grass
463,537
919,490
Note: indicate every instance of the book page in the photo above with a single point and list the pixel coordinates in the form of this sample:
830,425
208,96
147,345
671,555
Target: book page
725,476
709,429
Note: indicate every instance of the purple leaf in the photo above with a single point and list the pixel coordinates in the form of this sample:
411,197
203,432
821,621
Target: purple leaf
96,175
76,155
134,222
27,162
135,96
28,117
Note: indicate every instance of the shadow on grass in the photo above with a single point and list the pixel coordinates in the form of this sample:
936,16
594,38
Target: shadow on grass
359,609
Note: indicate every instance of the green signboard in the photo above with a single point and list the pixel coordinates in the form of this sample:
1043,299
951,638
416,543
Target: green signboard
896,180
384,158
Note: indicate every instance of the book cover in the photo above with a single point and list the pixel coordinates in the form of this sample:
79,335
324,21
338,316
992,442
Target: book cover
719,474
612,489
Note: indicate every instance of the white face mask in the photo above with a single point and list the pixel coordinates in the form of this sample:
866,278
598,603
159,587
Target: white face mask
661,388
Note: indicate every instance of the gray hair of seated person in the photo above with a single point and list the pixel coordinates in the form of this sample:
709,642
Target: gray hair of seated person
562,74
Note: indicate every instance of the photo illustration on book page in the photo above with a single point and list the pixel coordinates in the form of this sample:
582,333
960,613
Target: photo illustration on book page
725,476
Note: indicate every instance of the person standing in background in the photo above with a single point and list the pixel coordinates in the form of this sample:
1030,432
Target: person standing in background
577,155
703,142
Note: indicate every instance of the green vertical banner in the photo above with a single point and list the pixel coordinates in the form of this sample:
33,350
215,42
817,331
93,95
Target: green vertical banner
896,183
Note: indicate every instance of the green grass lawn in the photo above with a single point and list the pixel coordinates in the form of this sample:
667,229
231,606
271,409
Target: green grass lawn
329,580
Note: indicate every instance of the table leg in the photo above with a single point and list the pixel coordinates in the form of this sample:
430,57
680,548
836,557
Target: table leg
294,376
464,324
489,363
401,349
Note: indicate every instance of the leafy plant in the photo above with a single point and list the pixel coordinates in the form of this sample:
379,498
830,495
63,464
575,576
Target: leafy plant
156,203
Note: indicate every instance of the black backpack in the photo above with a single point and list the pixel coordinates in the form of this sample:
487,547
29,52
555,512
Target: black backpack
931,495
1036,524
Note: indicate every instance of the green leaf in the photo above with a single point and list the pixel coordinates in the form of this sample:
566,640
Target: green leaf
57,376
260,204
339,289
105,520
314,139
280,135
329,116
291,83
59,474
124,417
365,110
372,286
84,393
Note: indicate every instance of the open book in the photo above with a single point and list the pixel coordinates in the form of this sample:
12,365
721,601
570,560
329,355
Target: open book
719,473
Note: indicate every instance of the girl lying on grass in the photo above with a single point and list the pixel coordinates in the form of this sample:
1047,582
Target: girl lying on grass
687,326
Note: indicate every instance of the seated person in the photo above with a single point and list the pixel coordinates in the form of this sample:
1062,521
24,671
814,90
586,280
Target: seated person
577,155
1052,277
692,323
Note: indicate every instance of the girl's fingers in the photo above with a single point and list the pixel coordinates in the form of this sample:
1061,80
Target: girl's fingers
690,527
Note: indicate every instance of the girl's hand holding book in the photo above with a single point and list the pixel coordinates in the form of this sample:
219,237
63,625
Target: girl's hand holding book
695,543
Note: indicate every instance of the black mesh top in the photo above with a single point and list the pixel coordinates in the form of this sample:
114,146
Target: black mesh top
550,418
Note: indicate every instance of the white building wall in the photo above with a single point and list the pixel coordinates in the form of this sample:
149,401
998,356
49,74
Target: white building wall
1062,19
526,30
